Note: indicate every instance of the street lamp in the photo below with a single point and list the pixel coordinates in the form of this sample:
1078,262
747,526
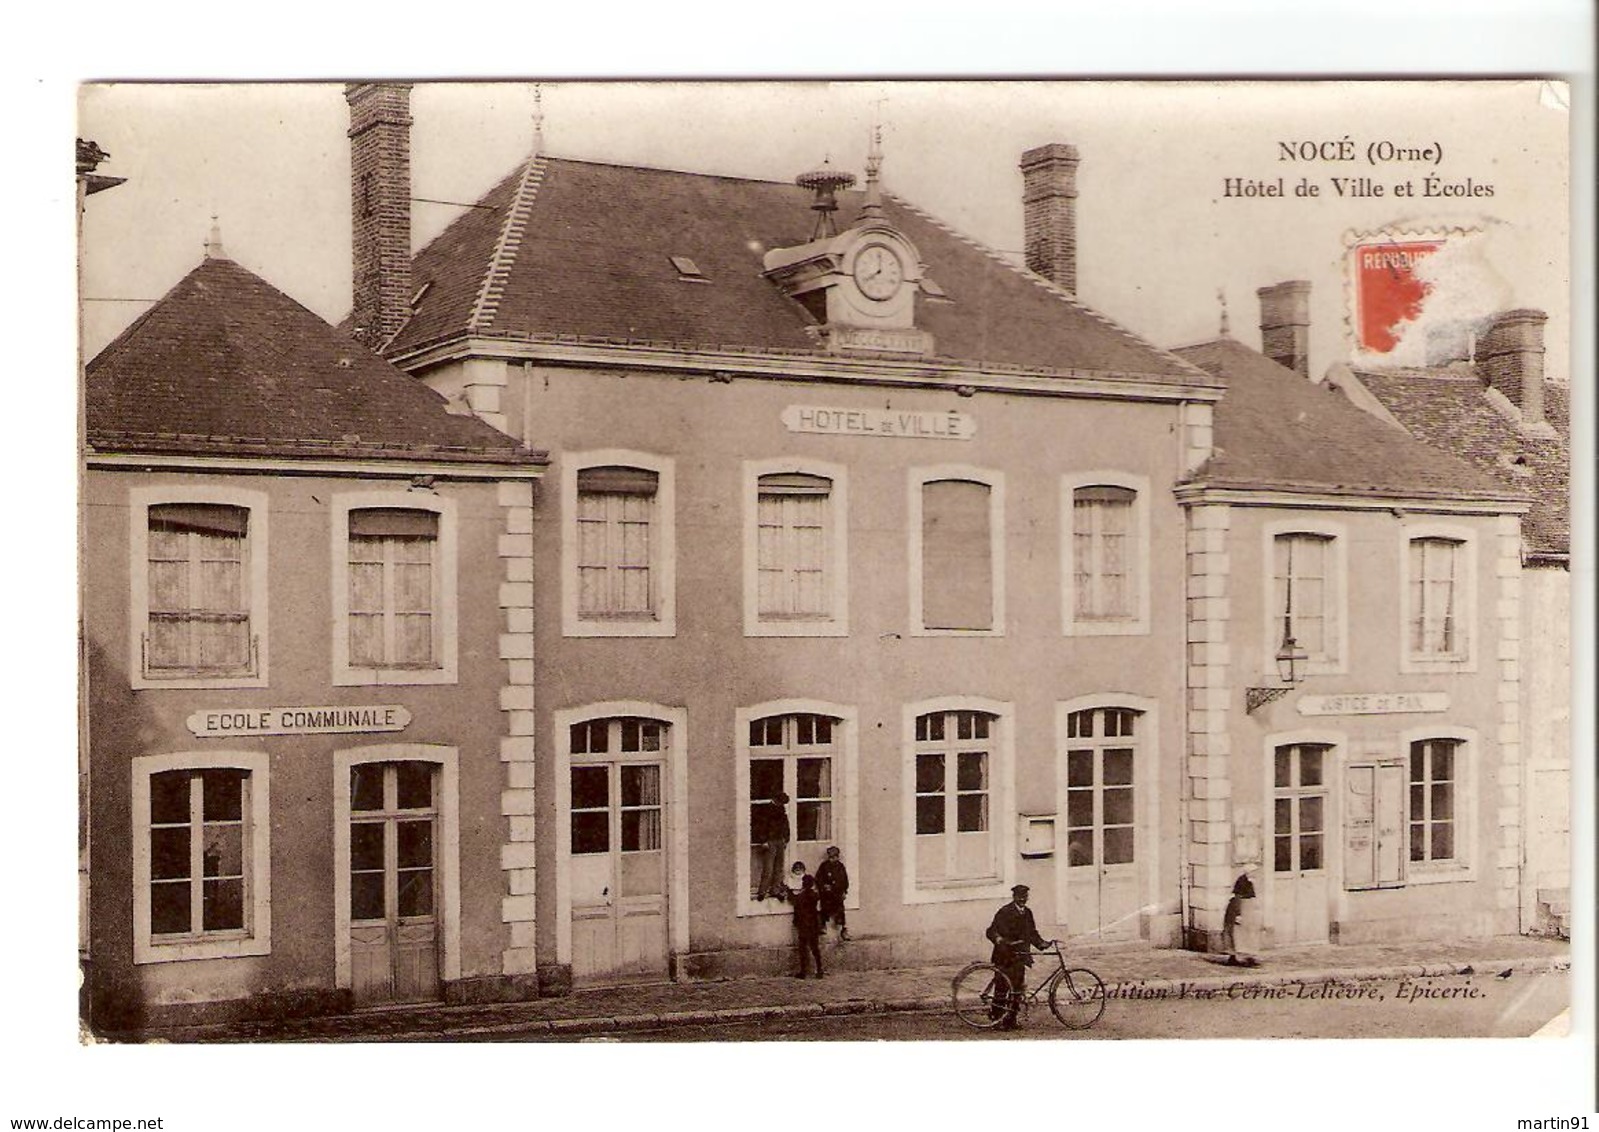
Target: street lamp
1290,659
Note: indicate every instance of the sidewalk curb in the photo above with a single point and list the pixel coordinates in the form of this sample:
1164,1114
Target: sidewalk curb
633,1023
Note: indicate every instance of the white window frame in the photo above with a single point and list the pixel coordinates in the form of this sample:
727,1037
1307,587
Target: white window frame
140,500
1339,756
1464,659
663,553
1336,608
1464,865
257,938
1147,761
836,622
444,582
446,860
675,820
846,797
917,478
1137,623
1002,802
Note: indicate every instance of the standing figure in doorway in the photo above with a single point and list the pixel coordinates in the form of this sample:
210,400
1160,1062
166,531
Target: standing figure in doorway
770,831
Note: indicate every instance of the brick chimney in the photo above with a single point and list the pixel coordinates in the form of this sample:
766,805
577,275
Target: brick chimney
1049,213
1510,357
380,208
1285,324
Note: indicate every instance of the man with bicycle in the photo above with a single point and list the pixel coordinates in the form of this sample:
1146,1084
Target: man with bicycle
1014,934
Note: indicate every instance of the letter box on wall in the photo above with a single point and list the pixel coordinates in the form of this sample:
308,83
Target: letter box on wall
1036,833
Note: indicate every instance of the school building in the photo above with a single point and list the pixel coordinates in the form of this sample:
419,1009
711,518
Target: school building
299,575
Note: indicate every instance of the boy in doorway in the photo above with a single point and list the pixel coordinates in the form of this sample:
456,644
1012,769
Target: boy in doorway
832,882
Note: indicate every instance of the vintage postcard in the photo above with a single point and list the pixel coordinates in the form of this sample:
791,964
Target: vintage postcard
826,561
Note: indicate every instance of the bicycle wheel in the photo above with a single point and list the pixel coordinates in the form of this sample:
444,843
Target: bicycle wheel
1077,998
979,994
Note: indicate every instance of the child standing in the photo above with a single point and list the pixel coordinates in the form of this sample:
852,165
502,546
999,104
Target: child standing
807,923
1243,889
832,882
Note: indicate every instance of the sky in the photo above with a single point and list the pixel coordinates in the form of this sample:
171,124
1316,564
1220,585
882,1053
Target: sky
1164,223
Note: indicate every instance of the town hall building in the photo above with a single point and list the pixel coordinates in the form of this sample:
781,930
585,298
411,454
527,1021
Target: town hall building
642,505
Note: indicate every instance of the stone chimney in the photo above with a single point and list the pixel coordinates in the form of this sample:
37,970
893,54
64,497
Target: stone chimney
380,208
1285,324
1510,357
1049,213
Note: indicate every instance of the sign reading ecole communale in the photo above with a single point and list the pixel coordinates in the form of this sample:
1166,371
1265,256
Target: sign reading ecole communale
1374,703
908,423
215,723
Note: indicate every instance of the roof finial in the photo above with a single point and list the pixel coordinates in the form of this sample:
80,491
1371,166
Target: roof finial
213,242
538,119
1221,297
874,163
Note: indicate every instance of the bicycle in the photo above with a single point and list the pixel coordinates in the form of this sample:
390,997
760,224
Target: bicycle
1076,995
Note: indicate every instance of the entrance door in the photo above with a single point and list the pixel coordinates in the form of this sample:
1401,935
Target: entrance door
618,849
394,935
1299,892
1101,829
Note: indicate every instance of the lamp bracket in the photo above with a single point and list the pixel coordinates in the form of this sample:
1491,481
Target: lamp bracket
1260,697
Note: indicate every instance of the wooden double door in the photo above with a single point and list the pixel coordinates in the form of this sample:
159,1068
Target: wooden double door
394,882
618,850
1099,783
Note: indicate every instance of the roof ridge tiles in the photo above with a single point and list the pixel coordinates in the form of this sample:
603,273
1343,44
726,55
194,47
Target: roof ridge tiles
509,243
1048,286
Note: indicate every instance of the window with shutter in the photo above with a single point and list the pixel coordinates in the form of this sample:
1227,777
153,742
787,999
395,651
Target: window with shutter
394,599
392,588
793,532
615,521
1104,554
197,564
957,555
199,593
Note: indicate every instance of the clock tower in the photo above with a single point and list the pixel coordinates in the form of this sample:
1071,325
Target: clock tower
860,284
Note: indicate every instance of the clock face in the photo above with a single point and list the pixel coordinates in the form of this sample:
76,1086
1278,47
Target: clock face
878,272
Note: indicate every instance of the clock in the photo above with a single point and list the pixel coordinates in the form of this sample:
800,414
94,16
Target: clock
878,271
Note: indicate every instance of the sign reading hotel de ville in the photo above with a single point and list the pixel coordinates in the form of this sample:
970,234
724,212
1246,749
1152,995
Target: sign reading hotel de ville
216,723
1374,703
879,422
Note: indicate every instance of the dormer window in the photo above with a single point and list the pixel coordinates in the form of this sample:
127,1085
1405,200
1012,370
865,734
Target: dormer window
687,270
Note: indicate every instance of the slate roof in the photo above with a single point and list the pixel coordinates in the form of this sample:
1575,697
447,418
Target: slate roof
1449,409
226,364
1274,429
575,249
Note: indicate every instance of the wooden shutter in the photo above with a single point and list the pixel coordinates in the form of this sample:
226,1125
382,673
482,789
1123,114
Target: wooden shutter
1374,825
957,556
